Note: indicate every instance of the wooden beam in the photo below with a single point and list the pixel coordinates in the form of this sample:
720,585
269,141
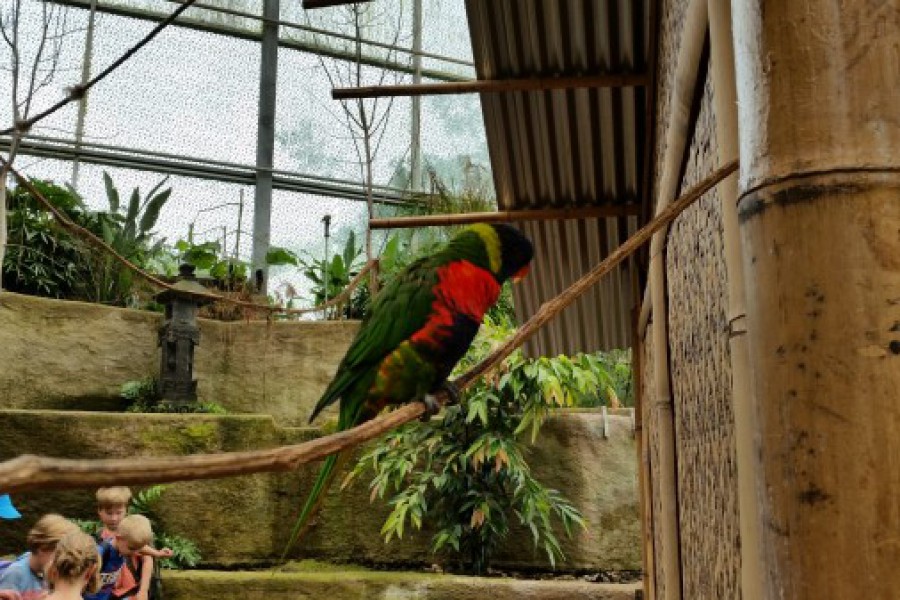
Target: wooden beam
492,86
307,4
507,216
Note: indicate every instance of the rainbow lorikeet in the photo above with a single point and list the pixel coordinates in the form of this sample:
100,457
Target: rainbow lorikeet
420,325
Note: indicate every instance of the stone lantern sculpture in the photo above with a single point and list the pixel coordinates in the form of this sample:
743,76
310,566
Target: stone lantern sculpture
178,335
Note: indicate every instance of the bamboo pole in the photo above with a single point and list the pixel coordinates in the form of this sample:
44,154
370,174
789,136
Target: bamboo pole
819,219
492,86
686,69
745,426
35,472
643,462
507,216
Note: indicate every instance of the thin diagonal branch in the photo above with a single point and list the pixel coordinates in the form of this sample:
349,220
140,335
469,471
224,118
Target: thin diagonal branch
79,90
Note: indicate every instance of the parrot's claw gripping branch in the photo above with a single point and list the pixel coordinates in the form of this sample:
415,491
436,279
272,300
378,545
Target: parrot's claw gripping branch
453,392
432,407
433,403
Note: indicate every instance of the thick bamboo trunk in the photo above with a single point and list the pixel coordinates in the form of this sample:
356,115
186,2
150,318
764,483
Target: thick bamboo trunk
820,227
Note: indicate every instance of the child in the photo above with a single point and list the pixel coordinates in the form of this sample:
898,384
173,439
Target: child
75,567
112,506
130,542
26,575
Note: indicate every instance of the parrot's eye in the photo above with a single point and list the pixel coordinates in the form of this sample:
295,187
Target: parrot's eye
521,273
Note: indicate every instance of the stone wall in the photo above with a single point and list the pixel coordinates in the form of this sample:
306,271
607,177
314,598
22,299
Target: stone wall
246,520
73,355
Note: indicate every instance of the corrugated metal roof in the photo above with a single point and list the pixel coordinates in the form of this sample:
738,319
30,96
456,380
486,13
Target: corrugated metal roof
567,148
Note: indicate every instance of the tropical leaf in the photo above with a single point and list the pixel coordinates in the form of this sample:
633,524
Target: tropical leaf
112,194
281,256
151,211
153,191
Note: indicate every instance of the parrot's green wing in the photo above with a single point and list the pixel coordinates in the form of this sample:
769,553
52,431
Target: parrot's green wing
401,309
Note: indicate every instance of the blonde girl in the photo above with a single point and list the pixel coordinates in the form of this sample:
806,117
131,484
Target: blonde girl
75,567
25,576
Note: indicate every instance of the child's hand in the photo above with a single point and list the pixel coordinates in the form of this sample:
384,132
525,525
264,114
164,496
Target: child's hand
164,553
10,595
141,595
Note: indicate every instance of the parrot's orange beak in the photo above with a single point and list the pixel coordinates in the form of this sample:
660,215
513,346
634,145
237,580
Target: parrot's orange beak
521,273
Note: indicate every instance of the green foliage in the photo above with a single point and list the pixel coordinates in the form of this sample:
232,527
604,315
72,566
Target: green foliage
229,272
466,473
185,553
204,255
89,526
331,277
142,396
41,258
44,259
617,389
142,502
128,230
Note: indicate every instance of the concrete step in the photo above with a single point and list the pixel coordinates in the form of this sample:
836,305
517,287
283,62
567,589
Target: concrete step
362,584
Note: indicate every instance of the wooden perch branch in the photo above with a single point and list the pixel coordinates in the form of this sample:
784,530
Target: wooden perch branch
483,86
35,472
29,472
507,216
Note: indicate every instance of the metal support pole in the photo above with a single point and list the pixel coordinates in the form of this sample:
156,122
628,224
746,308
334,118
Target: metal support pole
85,77
327,221
415,171
240,224
265,145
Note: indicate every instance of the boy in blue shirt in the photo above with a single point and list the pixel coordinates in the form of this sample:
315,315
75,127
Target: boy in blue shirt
130,541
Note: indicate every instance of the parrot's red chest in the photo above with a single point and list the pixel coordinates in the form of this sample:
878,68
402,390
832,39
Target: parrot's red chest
463,289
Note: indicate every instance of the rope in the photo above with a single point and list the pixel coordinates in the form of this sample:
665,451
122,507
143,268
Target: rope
29,472
92,239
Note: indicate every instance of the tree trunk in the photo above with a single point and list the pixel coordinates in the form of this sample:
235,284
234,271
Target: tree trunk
4,171
820,216
4,208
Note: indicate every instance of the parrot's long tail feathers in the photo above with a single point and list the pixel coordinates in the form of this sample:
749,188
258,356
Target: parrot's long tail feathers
332,466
